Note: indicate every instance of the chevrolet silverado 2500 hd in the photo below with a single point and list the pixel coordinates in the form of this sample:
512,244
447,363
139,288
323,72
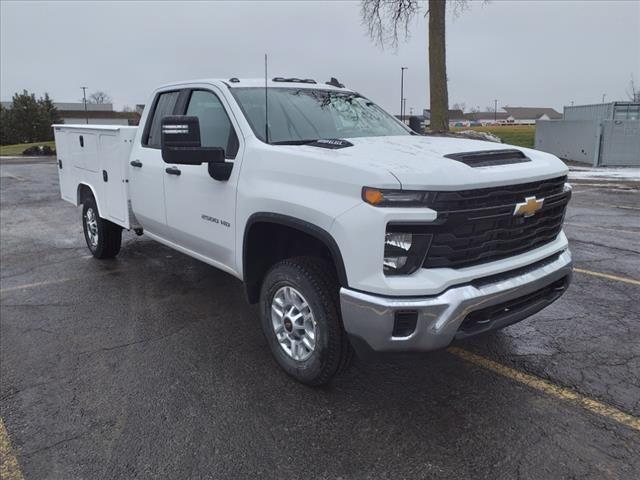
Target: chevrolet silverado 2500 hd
350,230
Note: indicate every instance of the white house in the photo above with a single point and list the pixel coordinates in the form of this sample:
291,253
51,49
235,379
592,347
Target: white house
530,115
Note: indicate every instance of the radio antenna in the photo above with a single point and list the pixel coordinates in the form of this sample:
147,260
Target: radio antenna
266,102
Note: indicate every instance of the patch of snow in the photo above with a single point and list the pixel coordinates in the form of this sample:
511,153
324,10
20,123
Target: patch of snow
475,135
600,173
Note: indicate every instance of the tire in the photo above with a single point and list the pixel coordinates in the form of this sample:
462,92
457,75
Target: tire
287,288
103,237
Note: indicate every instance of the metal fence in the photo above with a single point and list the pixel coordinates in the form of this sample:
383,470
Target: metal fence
620,143
595,142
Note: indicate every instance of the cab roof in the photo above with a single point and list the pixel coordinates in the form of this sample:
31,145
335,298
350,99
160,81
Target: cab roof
275,82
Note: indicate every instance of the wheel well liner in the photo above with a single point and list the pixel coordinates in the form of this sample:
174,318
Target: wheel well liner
253,275
83,192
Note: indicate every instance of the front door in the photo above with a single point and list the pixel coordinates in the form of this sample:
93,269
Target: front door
147,170
201,210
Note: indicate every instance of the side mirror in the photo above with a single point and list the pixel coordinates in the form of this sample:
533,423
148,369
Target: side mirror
414,124
181,142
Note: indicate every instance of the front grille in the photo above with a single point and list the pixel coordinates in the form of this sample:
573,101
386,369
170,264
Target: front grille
478,226
496,196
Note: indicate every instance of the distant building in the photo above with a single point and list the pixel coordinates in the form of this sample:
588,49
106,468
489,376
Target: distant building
487,118
96,114
530,115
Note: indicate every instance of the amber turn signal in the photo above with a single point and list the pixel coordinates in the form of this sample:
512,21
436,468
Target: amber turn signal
372,196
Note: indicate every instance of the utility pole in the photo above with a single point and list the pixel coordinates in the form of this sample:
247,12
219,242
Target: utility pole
84,96
495,111
402,69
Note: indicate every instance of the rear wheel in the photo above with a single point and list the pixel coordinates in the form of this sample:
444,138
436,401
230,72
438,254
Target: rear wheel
103,237
301,320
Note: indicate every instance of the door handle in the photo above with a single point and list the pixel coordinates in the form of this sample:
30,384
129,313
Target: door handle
172,171
136,163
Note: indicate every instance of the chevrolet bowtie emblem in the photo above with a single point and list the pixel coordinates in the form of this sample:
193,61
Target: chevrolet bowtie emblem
529,207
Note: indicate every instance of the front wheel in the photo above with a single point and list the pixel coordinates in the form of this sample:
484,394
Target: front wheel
103,237
301,320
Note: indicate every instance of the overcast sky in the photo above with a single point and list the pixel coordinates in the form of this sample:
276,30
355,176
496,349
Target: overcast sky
521,53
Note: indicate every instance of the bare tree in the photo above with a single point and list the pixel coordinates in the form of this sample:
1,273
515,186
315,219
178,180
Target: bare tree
633,92
490,108
459,106
99,97
389,20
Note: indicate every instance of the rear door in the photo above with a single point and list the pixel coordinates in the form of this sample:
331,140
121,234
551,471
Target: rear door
200,209
147,169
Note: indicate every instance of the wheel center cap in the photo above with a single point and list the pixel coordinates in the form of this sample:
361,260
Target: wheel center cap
288,324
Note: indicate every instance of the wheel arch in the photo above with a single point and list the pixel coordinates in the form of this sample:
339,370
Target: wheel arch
252,276
82,193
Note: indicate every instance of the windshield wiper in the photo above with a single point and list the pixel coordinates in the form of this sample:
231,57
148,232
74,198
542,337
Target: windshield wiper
294,142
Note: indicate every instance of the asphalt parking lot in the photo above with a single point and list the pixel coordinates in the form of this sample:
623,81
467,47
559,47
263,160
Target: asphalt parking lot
153,366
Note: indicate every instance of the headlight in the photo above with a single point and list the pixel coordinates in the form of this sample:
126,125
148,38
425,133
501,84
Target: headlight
404,252
397,198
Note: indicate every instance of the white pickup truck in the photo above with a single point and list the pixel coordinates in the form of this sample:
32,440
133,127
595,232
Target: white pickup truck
352,231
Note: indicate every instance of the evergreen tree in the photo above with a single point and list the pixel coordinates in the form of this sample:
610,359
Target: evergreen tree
7,135
25,115
48,116
28,120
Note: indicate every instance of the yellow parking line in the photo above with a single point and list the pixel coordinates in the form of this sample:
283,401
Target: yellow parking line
626,207
59,280
549,388
37,284
596,227
9,468
608,276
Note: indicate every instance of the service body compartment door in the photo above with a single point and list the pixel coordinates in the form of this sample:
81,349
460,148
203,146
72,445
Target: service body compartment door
84,148
114,178
66,174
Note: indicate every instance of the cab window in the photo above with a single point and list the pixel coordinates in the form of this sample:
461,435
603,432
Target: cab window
215,127
165,105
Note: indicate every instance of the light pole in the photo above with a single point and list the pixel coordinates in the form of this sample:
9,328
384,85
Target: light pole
402,69
603,95
404,107
84,96
495,111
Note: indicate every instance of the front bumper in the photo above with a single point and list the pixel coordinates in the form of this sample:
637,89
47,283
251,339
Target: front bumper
461,311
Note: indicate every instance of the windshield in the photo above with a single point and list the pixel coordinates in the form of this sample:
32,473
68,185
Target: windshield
297,116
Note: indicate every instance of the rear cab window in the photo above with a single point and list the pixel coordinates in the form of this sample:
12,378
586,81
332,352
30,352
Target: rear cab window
164,105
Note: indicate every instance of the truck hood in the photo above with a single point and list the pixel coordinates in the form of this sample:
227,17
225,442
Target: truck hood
418,162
